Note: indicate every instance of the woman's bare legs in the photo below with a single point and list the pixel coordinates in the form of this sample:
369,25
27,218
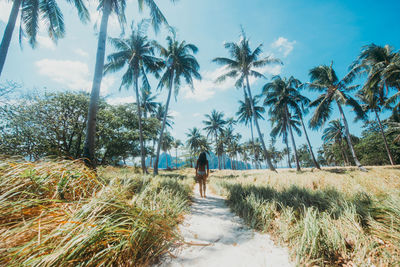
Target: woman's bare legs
204,187
201,186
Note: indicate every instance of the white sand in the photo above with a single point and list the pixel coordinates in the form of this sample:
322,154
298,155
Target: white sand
216,237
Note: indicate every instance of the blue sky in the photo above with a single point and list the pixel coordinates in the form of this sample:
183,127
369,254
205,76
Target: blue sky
301,33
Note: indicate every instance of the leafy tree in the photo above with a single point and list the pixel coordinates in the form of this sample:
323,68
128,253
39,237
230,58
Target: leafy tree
325,80
166,145
180,64
242,64
136,53
32,11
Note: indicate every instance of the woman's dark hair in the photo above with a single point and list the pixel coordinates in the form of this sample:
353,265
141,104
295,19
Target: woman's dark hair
202,159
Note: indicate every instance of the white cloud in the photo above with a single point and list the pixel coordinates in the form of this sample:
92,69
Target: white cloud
283,45
121,100
72,74
206,88
46,42
81,52
5,9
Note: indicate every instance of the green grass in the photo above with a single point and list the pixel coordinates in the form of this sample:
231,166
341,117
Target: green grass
63,214
321,224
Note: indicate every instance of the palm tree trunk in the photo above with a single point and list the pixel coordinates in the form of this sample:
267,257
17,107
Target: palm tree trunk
346,128
155,172
384,138
288,117
88,150
5,42
288,152
252,141
266,154
344,154
309,144
143,160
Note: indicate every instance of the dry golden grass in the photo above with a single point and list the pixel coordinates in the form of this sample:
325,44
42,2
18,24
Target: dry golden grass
334,216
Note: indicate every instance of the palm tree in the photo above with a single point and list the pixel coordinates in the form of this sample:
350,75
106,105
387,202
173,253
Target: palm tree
166,145
374,62
334,134
176,145
324,79
31,13
214,126
242,64
193,141
283,124
283,94
148,103
136,53
180,63
282,97
245,114
107,7
159,114
371,103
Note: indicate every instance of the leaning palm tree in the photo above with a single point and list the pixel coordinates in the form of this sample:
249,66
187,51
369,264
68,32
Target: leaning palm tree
136,53
333,134
214,126
180,63
107,7
245,114
325,80
31,14
242,64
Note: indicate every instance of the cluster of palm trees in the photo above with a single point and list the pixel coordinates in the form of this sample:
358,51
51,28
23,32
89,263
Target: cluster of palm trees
287,106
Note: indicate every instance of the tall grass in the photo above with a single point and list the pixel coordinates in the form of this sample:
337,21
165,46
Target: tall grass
322,221
63,214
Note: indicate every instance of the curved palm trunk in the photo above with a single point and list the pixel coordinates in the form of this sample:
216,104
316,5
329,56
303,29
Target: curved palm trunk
88,150
293,142
155,172
384,139
5,42
346,128
266,154
143,159
309,144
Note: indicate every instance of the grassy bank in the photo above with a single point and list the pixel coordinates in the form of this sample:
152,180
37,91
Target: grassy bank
63,214
329,217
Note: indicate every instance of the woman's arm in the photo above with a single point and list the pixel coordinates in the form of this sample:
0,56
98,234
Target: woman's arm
197,166
208,169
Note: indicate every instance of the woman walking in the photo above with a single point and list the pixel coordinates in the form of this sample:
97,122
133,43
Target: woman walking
201,173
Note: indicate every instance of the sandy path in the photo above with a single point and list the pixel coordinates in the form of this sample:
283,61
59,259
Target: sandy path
216,237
